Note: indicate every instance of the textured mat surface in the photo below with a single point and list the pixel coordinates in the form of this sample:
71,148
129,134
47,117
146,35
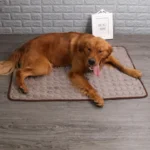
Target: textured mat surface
112,84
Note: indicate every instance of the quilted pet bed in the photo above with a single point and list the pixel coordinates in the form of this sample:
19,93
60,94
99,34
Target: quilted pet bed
112,84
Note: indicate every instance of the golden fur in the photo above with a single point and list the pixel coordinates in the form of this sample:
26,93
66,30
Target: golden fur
39,55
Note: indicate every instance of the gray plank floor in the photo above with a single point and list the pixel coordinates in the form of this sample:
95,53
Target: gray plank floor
120,125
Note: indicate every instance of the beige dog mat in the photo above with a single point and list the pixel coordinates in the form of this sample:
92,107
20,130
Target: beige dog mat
112,84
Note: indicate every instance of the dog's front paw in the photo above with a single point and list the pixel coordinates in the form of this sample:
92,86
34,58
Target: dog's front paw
96,98
136,73
99,101
92,94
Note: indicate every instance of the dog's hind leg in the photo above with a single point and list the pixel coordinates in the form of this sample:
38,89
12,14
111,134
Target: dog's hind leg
40,67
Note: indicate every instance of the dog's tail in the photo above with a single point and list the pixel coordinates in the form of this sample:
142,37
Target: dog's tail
8,66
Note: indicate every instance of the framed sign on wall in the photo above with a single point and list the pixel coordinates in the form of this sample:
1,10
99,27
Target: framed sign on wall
102,24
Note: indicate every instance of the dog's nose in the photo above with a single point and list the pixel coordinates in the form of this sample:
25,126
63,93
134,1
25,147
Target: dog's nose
91,61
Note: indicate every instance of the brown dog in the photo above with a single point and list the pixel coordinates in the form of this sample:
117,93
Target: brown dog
81,51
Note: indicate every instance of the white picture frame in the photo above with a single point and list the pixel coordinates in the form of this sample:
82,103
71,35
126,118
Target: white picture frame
102,25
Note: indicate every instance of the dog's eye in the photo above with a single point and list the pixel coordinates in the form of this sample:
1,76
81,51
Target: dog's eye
99,51
89,49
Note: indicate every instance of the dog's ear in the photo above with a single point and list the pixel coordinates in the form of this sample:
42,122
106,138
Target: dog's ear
76,44
110,49
81,47
82,44
105,45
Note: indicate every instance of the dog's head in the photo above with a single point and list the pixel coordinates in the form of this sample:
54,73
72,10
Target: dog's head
95,50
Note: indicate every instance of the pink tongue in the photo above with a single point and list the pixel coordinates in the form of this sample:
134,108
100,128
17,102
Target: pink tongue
96,70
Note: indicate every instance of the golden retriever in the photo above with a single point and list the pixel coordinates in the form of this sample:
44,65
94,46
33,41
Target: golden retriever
80,50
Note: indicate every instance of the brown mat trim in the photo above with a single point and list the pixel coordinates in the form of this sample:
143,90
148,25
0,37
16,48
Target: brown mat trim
46,100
